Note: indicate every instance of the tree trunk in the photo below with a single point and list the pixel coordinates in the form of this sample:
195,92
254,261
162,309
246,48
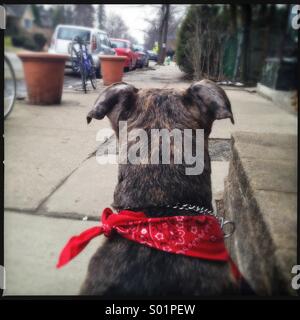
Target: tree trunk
238,56
101,16
233,19
160,33
285,31
246,18
163,33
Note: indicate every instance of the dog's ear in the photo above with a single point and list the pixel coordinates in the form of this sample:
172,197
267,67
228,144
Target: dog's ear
115,102
211,100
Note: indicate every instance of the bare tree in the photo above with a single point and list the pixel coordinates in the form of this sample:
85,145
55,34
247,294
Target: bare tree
193,49
233,18
204,47
163,32
101,16
151,33
69,14
84,14
247,19
61,14
153,30
115,26
36,14
58,15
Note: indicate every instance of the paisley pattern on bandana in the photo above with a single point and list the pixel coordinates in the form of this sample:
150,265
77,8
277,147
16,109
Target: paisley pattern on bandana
186,235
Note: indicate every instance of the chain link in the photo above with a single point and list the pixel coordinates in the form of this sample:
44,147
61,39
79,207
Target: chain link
203,211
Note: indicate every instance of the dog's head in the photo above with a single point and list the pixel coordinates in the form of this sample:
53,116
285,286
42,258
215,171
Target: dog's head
197,107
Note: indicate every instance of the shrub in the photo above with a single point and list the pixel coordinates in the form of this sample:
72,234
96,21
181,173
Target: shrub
40,40
183,34
7,41
30,44
25,41
200,41
18,41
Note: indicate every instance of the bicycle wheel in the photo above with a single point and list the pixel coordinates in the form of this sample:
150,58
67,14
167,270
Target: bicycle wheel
75,60
92,73
10,87
83,74
83,78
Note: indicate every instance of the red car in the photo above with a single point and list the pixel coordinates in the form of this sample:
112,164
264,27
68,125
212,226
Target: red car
124,47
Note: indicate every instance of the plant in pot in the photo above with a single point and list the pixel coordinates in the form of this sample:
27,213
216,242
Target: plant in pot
112,68
44,76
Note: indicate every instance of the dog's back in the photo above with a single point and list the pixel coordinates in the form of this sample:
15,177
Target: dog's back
125,268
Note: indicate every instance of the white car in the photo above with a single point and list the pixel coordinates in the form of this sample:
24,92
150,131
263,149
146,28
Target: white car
98,42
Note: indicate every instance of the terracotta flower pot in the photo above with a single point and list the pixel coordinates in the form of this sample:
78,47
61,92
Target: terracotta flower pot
112,69
44,76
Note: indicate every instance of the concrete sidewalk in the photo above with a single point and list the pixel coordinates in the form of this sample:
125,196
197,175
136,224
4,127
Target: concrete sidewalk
51,173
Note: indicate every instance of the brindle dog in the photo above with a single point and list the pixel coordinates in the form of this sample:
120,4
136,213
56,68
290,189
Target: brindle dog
124,268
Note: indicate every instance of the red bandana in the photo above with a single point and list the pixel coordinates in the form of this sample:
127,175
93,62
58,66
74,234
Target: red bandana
195,236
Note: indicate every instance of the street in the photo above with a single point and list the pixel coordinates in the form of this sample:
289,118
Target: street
54,188
72,81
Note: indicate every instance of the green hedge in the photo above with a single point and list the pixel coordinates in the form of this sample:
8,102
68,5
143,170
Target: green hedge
184,33
205,31
33,42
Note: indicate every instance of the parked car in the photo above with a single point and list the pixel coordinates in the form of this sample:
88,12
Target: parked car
98,42
143,56
152,55
124,47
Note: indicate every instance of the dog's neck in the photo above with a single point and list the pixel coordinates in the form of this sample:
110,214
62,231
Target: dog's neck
151,188
171,210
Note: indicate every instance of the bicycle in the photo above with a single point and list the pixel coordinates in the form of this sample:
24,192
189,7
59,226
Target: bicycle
10,87
82,62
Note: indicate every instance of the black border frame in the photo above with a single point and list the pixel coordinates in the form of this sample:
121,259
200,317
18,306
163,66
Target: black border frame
142,301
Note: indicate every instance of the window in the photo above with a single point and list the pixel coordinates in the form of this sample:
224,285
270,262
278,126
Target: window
138,47
70,34
119,43
27,24
104,39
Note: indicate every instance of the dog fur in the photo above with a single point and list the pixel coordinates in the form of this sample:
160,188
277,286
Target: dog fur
122,268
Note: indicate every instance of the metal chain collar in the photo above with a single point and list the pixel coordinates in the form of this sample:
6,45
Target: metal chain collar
203,211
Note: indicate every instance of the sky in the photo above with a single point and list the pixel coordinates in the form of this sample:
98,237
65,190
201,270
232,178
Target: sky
134,16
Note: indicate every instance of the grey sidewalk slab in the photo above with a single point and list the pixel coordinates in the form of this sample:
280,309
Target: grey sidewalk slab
31,247
219,171
158,77
34,167
91,188
70,114
16,63
252,113
43,145
86,192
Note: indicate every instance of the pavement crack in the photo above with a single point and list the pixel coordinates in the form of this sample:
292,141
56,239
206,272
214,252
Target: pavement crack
41,205
57,215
